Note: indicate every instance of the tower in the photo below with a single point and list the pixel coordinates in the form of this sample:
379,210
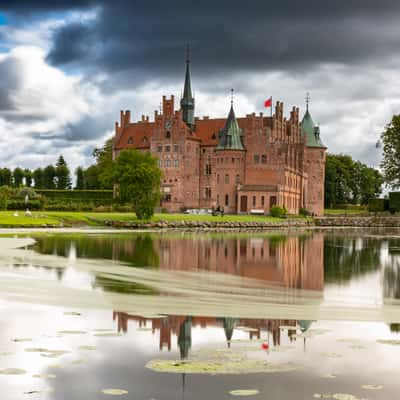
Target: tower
314,156
230,155
187,100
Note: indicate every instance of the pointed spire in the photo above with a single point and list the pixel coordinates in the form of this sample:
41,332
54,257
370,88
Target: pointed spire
230,136
310,130
307,100
187,100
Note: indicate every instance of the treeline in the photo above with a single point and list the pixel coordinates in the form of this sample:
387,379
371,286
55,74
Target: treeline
51,177
348,181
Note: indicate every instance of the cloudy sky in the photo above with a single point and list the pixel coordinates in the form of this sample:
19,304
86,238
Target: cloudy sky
68,67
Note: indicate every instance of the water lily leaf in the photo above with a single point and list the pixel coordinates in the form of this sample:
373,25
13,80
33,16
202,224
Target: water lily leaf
372,387
241,392
89,348
17,340
73,313
114,392
12,371
107,334
72,332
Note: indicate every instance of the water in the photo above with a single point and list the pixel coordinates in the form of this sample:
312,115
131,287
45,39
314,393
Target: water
328,356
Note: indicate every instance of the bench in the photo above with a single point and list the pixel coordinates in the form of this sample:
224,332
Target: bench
256,211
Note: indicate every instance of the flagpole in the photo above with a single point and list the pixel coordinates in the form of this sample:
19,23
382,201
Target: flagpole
271,106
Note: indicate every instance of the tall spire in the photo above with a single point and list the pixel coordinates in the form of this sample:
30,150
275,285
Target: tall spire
307,100
187,100
230,136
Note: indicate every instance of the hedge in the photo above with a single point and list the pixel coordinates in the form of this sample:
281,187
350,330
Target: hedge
81,195
394,201
377,205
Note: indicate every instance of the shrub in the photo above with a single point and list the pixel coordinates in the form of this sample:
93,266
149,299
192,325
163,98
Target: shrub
78,195
278,212
304,212
394,202
5,194
15,204
27,191
376,205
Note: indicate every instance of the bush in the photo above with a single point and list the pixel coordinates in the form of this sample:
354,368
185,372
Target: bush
304,212
394,202
14,204
278,212
376,205
5,194
78,195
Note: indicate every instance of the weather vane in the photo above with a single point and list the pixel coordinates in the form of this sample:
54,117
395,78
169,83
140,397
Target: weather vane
232,90
307,100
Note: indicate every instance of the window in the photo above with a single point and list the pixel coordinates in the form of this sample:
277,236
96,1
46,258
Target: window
256,159
167,149
130,140
168,134
208,192
167,163
254,201
176,163
233,160
176,148
227,199
159,148
263,159
262,201
208,169
226,178
218,178
238,178
145,140
160,163
167,198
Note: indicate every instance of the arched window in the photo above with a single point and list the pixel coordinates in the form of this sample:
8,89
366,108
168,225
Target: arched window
227,199
167,134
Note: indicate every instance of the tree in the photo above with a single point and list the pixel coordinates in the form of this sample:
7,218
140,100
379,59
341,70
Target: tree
28,177
49,177
18,176
5,177
349,181
91,178
63,179
38,178
104,162
138,178
5,194
391,152
80,178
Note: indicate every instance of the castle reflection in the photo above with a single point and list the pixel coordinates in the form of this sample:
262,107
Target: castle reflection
181,327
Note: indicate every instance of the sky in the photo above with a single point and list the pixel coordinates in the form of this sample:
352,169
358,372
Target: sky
68,67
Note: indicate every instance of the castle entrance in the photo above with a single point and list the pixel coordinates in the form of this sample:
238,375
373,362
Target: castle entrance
243,203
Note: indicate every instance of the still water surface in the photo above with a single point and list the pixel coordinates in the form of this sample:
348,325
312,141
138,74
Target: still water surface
107,348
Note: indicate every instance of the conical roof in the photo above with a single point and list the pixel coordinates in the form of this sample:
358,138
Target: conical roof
230,135
310,131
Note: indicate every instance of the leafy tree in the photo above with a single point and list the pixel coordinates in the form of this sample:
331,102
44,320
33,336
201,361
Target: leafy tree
63,179
138,178
391,152
104,162
49,177
38,178
348,181
91,178
18,176
80,178
28,177
5,194
5,177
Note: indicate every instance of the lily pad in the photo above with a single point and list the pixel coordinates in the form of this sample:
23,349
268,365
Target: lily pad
45,376
114,392
12,371
107,334
17,340
372,387
72,332
73,313
241,392
89,348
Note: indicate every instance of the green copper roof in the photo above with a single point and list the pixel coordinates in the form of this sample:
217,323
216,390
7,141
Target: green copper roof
230,135
311,132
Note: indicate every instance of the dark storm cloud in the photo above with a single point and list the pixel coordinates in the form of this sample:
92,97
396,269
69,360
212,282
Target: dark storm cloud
148,38
31,6
10,73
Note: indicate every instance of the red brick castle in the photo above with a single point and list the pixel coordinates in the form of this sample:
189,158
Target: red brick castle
241,164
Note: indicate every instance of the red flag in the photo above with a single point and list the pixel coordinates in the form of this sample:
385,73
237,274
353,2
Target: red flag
268,103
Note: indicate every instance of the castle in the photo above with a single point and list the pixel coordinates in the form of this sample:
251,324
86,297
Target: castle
244,164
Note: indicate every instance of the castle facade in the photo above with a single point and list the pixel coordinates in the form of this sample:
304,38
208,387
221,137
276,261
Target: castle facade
244,165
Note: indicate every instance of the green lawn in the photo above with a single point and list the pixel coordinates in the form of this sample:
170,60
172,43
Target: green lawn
7,218
353,211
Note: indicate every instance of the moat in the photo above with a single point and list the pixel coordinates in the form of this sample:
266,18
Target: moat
176,315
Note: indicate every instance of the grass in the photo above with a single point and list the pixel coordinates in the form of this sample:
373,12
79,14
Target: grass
351,211
8,219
